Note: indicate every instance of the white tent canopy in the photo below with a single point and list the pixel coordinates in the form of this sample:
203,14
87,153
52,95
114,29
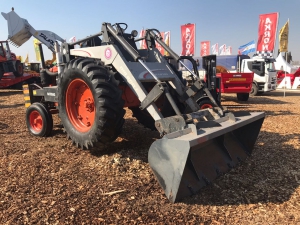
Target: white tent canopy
281,64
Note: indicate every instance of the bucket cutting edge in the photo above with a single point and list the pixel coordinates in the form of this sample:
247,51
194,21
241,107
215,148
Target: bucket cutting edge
183,164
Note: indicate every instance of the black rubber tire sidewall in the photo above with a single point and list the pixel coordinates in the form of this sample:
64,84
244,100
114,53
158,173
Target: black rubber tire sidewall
243,96
204,101
50,119
254,90
98,132
47,122
64,83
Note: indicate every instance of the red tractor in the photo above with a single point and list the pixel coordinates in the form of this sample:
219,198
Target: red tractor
9,62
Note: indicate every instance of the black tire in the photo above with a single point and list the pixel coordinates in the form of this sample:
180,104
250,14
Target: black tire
107,104
254,90
242,96
39,120
19,69
164,106
205,103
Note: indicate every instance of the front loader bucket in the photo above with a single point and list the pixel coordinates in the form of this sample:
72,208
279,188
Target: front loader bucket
18,28
184,161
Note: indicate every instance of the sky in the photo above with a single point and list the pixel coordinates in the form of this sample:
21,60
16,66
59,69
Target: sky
230,22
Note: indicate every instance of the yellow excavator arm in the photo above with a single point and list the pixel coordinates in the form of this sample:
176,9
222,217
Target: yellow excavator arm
51,61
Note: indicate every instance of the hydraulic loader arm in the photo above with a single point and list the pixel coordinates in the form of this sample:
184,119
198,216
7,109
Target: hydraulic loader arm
20,31
198,84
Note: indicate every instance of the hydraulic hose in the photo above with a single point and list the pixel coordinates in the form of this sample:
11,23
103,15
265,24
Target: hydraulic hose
163,44
172,102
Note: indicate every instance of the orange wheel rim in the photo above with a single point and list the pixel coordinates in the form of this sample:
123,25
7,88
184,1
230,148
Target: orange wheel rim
36,121
80,105
205,106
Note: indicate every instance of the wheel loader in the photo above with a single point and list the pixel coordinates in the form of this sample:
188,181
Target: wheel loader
96,82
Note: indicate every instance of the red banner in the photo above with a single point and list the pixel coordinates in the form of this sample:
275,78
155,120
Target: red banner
158,46
205,47
267,29
143,42
188,39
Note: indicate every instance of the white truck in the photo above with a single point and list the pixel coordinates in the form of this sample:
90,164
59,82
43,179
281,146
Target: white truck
265,75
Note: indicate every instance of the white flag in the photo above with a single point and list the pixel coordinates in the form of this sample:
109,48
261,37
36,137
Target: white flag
72,39
214,49
222,49
228,50
142,43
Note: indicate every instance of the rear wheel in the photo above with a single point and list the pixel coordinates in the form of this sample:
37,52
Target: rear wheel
90,103
242,96
205,103
39,120
19,69
254,90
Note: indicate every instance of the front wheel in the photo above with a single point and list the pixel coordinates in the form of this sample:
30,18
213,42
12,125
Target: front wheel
90,103
205,103
254,90
242,96
39,120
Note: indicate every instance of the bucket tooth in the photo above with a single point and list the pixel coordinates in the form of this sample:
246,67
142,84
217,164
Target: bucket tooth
18,28
185,163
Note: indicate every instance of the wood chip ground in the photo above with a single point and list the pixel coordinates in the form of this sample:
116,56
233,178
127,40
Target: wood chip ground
50,181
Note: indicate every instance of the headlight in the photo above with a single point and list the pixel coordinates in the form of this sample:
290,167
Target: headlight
134,33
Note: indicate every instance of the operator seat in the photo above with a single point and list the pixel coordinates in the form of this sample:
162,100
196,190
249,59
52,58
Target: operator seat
124,52
96,41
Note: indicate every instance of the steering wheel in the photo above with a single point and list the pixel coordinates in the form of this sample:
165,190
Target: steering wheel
119,28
